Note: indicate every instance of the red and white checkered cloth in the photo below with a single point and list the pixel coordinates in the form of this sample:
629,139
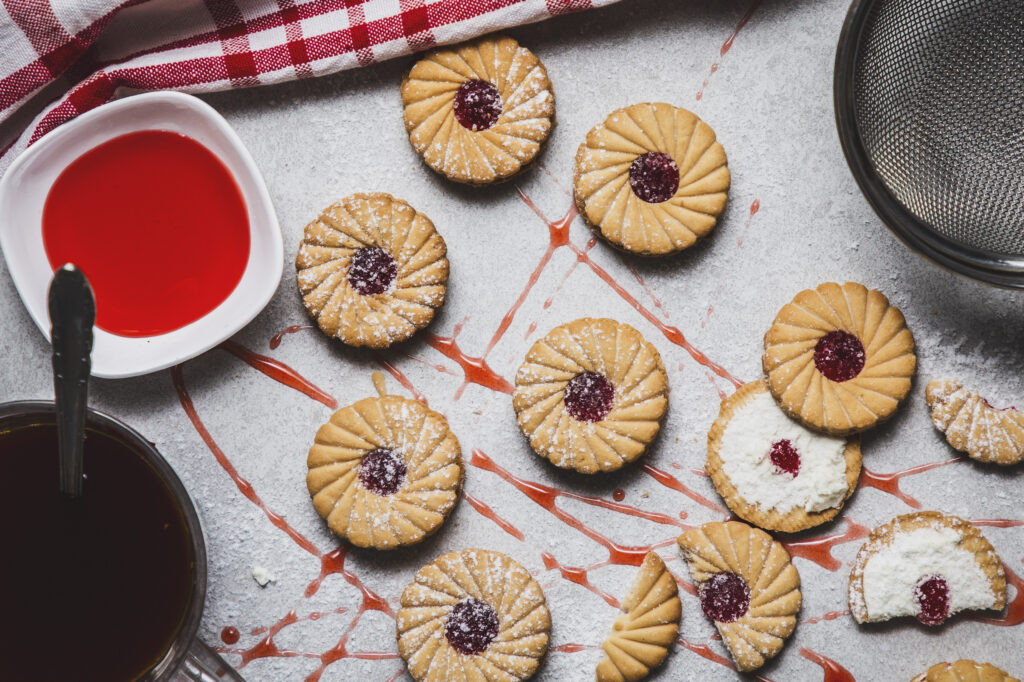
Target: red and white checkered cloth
103,48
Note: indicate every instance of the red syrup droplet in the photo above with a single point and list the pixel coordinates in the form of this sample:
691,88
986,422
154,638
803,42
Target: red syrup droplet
477,105
588,397
471,626
381,471
833,671
724,597
372,271
619,495
932,597
654,177
230,635
839,356
785,458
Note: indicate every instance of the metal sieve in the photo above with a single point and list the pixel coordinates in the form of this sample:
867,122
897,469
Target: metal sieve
929,99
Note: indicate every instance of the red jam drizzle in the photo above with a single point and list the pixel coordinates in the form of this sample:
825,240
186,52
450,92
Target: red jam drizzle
381,471
588,397
932,597
833,671
157,223
724,597
485,510
477,105
579,576
1014,610
280,372
372,271
276,339
471,626
890,483
727,45
784,457
476,370
654,177
819,550
839,356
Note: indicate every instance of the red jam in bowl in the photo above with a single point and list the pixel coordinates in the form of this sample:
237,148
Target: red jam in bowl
158,225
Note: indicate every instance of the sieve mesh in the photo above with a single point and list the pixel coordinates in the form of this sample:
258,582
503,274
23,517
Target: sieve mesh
938,98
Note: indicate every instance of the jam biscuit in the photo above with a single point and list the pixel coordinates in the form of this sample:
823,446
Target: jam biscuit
591,395
927,565
773,472
839,358
972,425
372,270
479,113
643,635
747,585
385,471
651,179
964,671
473,615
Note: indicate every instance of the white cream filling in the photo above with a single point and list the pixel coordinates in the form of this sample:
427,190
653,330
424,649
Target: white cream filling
892,573
820,482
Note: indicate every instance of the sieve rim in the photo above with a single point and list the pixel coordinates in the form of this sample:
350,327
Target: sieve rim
983,265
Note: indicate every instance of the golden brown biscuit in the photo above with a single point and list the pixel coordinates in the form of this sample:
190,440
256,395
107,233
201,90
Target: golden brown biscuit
643,635
839,358
972,425
747,585
385,471
651,179
473,615
964,671
773,472
372,270
479,112
591,395
927,565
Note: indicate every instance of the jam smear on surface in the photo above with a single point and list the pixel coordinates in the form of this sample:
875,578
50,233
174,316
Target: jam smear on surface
588,397
784,457
372,271
724,597
471,626
932,597
654,177
839,356
477,105
382,471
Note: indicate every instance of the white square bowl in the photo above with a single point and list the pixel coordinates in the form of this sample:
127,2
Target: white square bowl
23,192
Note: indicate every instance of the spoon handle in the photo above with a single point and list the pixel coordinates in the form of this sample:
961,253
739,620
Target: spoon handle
72,314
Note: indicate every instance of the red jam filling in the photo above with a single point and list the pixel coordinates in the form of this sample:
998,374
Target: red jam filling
784,457
839,356
471,626
372,270
654,177
724,597
588,397
932,597
477,105
382,471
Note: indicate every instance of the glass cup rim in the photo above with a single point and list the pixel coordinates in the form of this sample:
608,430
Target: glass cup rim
137,443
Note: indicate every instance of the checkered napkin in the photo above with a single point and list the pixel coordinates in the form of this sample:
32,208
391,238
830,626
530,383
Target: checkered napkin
103,48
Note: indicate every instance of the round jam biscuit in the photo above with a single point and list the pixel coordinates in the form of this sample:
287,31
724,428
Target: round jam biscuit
646,631
372,270
972,425
964,671
473,615
479,113
651,179
385,472
772,471
839,358
927,565
747,585
591,395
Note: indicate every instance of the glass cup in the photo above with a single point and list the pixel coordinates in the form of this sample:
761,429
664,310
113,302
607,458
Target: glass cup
187,658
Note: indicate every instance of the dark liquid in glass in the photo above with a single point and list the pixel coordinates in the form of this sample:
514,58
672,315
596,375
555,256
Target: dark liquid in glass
98,594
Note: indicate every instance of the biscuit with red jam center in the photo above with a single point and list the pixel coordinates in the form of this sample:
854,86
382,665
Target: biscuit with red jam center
964,671
839,358
480,112
651,179
591,395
